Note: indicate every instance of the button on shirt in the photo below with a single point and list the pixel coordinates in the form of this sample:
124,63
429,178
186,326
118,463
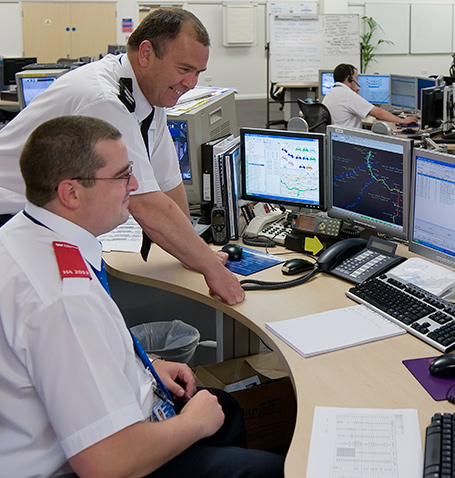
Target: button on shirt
92,90
346,107
69,375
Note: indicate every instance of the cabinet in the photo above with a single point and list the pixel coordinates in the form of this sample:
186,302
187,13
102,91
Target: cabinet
67,30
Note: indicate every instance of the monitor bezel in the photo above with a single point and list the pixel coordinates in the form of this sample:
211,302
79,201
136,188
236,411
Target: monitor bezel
364,75
320,137
380,227
418,90
415,247
423,98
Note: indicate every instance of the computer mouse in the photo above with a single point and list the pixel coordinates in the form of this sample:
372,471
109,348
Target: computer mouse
295,266
443,366
234,251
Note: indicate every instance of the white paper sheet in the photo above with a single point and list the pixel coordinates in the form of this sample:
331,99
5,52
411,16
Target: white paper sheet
365,443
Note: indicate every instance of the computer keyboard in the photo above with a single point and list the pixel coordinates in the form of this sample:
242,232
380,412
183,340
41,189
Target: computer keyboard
47,66
421,313
439,454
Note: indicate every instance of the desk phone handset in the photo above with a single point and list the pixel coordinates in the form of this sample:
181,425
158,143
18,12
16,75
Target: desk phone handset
356,260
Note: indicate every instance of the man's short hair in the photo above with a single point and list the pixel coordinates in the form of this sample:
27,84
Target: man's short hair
343,71
162,26
62,148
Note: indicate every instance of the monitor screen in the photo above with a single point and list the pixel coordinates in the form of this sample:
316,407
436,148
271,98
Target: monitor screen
326,81
283,167
374,88
403,91
432,107
424,83
30,83
11,66
369,179
179,135
432,223
33,86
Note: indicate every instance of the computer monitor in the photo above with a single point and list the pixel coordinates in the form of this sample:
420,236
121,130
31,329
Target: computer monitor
30,83
432,227
403,91
326,82
368,179
424,83
433,102
282,167
211,120
374,88
11,66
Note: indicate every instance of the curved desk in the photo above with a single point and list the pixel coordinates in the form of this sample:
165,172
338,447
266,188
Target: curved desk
366,376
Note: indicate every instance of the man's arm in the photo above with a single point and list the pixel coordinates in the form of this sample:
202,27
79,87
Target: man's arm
167,225
140,449
384,115
178,195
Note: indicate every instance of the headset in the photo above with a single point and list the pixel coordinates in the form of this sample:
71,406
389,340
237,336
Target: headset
351,74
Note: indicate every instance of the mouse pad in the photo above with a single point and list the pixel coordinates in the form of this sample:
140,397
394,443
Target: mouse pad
252,261
437,387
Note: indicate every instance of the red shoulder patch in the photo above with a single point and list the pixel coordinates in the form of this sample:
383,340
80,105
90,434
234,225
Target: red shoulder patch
70,261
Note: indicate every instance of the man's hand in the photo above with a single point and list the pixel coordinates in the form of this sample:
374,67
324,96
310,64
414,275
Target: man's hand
177,377
225,285
204,408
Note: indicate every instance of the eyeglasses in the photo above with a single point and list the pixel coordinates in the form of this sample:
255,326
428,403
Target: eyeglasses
127,175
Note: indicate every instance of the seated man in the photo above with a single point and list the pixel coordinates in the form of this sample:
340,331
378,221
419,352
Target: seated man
348,108
79,396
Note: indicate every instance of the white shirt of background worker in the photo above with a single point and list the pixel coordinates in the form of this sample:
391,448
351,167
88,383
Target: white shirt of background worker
348,108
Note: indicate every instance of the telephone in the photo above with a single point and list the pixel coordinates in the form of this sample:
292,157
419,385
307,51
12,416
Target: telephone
356,260
258,223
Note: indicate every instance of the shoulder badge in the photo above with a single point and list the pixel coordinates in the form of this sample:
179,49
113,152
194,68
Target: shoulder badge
70,261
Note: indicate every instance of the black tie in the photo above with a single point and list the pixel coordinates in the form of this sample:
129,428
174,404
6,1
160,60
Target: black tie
145,125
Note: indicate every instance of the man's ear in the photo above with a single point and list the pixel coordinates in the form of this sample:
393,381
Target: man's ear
145,53
68,192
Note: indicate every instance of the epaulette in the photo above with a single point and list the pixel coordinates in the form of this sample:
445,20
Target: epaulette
70,261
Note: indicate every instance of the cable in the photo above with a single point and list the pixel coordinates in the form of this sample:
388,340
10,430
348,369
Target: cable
253,284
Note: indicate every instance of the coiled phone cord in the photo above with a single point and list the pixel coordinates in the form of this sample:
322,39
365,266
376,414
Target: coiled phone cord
253,284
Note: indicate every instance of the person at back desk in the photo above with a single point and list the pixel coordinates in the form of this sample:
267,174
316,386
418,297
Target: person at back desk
348,108
165,55
75,396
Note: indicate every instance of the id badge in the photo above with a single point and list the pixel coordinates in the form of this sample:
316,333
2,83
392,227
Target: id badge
163,410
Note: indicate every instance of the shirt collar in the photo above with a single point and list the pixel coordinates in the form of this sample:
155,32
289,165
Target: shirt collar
143,107
87,243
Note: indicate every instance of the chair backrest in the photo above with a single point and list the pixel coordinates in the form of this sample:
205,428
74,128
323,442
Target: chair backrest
298,124
316,115
381,127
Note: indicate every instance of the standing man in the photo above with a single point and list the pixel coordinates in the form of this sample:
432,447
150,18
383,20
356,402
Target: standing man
76,399
165,56
348,108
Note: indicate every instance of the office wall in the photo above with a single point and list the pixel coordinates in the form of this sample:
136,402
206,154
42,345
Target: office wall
245,67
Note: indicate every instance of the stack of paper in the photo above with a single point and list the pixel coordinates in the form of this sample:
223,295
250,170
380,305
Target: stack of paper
332,330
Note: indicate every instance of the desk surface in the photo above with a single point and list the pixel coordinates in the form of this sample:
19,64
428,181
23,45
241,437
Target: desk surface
366,376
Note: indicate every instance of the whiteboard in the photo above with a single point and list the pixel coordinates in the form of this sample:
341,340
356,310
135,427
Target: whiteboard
431,28
395,27
301,45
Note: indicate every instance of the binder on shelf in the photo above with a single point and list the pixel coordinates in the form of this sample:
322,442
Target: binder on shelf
207,160
231,165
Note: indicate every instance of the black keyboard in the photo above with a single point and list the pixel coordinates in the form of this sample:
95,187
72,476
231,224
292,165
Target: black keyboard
439,455
421,313
47,66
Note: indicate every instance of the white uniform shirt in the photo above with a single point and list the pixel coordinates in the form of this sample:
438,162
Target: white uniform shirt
347,108
69,376
92,90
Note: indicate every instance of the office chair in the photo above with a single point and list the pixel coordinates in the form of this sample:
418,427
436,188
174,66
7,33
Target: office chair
381,127
316,115
298,124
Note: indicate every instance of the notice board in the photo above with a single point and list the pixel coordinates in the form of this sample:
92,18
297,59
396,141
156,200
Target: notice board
300,45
